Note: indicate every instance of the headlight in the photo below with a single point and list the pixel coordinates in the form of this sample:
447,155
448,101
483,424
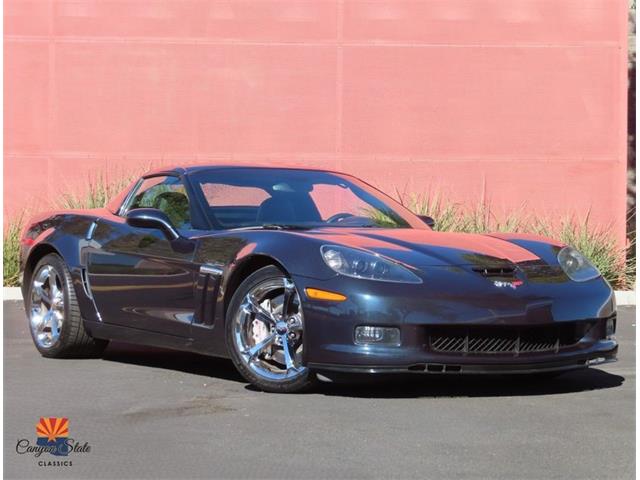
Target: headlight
358,264
576,266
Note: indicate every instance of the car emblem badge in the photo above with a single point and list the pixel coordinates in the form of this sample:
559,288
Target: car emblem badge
512,284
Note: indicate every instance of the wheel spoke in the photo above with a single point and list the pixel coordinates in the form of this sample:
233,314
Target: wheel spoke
53,284
48,320
256,349
46,330
259,311
54,320
288,360
54,325
38,321
289,293
41,294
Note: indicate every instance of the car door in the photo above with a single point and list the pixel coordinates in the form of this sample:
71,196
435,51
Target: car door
138,277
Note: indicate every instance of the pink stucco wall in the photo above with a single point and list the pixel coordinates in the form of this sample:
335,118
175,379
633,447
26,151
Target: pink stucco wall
513,102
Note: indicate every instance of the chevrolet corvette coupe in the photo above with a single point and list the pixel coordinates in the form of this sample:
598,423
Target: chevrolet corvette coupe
299,275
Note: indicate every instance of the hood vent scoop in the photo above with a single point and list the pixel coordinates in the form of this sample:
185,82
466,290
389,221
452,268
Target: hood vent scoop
496,272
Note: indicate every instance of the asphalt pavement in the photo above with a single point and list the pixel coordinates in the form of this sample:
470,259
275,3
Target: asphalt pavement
151,413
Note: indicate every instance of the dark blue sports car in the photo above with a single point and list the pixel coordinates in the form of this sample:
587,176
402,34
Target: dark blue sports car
304,274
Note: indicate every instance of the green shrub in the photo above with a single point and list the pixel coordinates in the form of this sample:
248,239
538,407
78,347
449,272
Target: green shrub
616,263
598,245
11,252
98,193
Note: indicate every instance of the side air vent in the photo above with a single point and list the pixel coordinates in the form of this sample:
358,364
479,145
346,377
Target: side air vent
85,283
207,290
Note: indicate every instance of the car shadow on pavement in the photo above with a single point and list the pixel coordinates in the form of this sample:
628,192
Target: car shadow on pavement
404,386
172,360
415,386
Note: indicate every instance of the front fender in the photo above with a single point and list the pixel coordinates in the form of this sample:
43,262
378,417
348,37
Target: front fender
297,254
63,234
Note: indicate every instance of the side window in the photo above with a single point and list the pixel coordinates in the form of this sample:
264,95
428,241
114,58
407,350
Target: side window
233,205
166,194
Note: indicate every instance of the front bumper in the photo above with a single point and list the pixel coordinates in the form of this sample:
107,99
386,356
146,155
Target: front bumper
451,300
598,356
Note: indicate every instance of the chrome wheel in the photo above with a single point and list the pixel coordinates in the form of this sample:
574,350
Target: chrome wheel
268,330
47,306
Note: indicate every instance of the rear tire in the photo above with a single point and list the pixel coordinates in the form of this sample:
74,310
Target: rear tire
55,320
265,317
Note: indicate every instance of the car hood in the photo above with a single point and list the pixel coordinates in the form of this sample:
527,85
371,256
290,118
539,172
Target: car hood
422,247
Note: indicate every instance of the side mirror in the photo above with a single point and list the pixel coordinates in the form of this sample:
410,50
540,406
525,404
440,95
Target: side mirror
428,220
152,218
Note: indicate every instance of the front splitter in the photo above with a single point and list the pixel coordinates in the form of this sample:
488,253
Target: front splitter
473,368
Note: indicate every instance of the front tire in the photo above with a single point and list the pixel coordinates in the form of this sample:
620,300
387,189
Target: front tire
55,320
264,332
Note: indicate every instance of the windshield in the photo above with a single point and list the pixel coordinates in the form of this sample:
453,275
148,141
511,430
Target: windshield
265,197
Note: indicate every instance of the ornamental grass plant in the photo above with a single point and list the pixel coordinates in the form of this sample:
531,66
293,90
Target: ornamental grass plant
616,263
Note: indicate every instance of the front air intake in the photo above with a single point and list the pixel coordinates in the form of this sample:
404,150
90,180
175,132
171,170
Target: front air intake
481,340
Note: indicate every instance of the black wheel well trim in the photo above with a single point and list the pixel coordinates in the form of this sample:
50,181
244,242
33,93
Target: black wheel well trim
35,255
243,269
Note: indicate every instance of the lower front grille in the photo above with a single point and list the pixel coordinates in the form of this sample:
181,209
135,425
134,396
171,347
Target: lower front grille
507,340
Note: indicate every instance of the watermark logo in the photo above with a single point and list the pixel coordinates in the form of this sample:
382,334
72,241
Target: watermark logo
52,439
53,433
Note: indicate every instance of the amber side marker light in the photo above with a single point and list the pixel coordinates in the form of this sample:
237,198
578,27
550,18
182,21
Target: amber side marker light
317,294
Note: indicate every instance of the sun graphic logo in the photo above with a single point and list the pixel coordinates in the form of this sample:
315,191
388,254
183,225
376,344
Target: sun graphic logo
52,433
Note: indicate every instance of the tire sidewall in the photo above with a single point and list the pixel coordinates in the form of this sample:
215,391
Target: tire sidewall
296,384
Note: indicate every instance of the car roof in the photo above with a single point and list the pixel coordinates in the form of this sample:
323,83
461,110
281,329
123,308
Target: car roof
189,169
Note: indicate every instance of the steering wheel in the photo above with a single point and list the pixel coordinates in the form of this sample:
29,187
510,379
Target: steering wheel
338,217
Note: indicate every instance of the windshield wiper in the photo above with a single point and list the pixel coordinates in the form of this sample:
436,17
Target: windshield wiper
284,226
291,226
